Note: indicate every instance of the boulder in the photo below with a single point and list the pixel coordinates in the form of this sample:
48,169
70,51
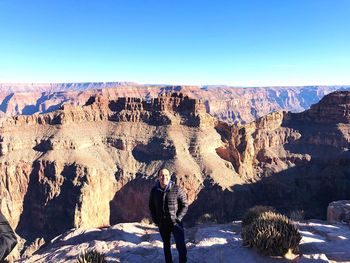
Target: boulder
339,212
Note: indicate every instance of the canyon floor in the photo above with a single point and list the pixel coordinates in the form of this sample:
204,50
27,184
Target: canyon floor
140,242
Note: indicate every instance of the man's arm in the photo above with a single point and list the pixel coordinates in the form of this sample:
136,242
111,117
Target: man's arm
152,208
8,238
182,204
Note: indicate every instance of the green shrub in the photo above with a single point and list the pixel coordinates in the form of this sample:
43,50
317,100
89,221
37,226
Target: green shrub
271,234
254,212
91,256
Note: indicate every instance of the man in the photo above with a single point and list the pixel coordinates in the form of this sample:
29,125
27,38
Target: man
168,205
8,238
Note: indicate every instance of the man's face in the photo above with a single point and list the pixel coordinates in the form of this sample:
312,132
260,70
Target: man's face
164,177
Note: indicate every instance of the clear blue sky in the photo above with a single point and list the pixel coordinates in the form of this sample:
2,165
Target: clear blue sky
243,42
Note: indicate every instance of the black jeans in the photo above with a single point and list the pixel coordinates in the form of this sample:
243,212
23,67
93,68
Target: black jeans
165,230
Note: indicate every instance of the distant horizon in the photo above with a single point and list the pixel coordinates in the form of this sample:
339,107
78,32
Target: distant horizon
243,43
167,84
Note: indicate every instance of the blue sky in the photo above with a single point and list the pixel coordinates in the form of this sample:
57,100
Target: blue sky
242,43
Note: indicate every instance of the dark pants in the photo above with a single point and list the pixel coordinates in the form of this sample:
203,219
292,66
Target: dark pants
178,232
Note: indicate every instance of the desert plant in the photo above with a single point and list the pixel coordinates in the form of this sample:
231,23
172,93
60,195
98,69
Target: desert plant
254,212
91,256
297,215
271,234
146,220
205,219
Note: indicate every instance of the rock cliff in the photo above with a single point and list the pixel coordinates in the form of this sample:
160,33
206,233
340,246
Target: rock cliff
295,161
226,103
85,165
93,165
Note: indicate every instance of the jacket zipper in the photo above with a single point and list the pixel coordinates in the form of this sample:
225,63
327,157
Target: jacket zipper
164,195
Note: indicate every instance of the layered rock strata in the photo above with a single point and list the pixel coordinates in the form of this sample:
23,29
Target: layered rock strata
82,166
235,104
297,162
93,165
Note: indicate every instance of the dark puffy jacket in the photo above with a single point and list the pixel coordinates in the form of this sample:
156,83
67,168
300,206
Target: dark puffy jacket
167,206
8,238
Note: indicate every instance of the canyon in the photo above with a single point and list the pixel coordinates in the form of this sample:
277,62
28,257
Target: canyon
233,104
92,164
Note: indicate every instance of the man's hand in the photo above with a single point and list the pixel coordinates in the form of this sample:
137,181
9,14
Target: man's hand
182,204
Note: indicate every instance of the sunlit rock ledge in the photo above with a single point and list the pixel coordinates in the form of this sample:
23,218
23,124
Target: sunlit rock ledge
140,242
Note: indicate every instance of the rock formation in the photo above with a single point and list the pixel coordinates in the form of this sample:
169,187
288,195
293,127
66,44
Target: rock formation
83,166
339,212
226,103
93,165
293,161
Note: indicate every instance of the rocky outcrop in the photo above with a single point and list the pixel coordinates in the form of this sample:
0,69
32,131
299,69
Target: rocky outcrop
275,138
135,242
293,161
246,145
339,212
332,109
153,111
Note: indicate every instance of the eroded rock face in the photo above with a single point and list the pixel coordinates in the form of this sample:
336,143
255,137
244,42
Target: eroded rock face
238,105
332,109
94,165
292,161
84,166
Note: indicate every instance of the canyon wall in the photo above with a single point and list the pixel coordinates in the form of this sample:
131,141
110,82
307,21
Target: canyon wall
293,161
233,104
85,165
93,165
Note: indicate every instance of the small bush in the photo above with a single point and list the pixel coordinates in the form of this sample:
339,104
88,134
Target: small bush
255,212
206,219
297,215
271,234
91,256
146,220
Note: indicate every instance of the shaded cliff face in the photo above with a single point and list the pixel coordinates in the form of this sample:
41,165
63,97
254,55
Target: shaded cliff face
293,161
94,165
232,104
